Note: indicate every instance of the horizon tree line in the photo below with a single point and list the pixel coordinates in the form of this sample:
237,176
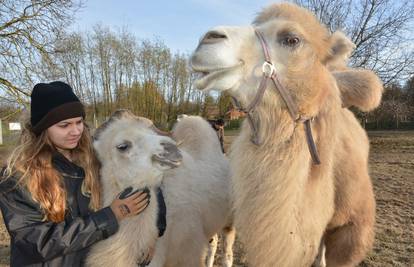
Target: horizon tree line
111,69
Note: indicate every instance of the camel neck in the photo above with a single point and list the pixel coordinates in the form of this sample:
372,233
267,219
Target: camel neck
275,173
273,124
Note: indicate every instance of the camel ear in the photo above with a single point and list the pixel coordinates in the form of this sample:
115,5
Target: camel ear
341,48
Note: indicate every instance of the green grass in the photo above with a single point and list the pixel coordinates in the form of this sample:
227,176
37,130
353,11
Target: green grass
231,132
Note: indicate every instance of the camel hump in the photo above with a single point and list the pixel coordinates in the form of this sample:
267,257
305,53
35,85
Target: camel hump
195,135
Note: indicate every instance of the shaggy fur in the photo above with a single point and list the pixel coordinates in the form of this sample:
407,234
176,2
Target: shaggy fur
358,87
196,192
284,205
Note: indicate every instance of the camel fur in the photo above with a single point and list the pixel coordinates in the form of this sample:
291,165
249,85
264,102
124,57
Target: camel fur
286,208
358,87
195,190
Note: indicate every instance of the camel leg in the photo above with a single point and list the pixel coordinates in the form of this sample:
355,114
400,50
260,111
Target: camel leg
348,245
159,256
193,254
229,235
320,260
212,248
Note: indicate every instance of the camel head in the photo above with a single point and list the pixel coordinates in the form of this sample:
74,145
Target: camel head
300,48
132,150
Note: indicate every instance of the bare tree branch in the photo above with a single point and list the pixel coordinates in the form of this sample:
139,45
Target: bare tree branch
28,32
382,31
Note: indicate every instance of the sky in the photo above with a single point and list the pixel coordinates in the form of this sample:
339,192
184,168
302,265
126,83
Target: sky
179,24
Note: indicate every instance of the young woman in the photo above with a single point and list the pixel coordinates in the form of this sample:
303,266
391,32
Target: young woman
49,193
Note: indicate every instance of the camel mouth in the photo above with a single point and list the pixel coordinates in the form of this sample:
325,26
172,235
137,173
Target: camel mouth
206,76
167,162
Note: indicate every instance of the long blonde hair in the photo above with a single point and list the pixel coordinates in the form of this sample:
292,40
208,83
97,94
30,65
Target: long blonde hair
31,162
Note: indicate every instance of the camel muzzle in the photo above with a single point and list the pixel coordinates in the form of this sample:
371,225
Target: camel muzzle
171,156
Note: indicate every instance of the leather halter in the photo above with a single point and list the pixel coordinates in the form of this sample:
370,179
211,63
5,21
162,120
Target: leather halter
269,72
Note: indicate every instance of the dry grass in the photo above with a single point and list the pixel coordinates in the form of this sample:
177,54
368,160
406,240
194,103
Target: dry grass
392,172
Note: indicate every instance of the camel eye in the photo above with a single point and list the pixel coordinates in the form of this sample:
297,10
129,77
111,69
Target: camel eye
288,39
291,41
124,146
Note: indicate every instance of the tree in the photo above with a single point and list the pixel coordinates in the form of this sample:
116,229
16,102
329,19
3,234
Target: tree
112,69
409,88
394,108
28,32
224,103
208,105
381,30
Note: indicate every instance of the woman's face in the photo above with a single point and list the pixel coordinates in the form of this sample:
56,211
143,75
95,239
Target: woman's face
67,133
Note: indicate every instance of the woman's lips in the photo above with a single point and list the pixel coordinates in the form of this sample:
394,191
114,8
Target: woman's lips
73,140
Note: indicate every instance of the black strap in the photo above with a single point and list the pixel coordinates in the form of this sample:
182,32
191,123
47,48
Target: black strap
162,213
311,143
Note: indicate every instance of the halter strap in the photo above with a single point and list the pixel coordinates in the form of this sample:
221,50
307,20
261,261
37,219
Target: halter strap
293,111
269,72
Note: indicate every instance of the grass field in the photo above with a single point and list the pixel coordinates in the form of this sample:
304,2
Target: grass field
392,172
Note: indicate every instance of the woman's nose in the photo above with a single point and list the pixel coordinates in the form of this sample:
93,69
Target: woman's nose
76,130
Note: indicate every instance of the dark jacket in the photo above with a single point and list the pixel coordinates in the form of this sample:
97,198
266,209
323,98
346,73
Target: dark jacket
35,242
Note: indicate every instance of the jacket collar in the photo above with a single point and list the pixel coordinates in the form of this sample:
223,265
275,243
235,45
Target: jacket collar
66,167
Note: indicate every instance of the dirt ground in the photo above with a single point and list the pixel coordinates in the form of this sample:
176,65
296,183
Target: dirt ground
392,172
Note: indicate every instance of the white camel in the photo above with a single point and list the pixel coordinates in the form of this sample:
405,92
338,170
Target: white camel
194,179
294,194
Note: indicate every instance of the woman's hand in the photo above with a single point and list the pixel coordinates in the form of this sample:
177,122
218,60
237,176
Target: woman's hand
126,206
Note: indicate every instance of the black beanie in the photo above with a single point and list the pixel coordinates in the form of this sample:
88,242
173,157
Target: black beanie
51,103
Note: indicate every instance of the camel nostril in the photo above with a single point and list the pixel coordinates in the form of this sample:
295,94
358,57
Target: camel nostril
213,36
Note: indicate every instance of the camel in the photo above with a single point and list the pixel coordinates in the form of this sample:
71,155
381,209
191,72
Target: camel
301,190
193,176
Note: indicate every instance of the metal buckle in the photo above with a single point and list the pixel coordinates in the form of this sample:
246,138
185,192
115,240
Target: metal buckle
268,69
303,118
